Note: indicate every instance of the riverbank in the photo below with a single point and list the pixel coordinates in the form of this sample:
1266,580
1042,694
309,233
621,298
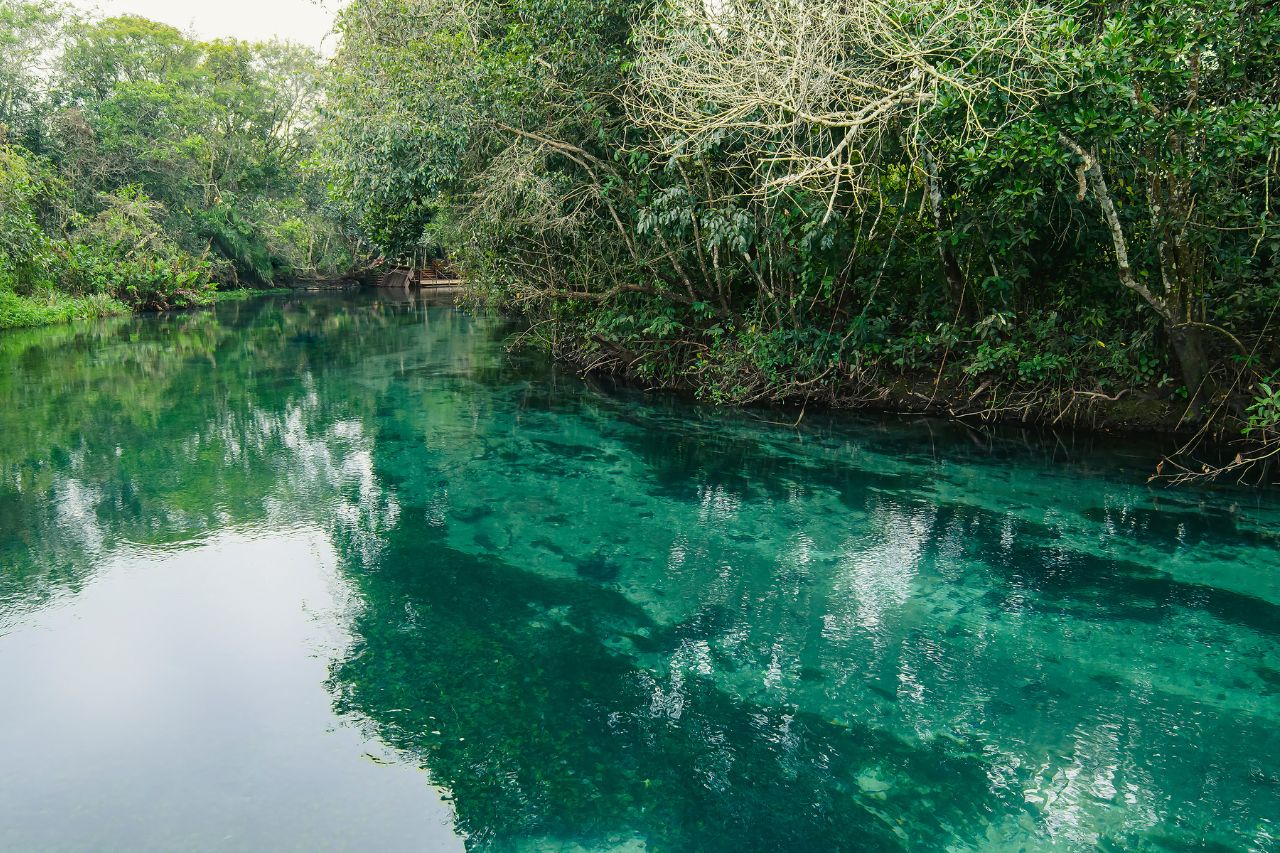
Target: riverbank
52,307
1199,446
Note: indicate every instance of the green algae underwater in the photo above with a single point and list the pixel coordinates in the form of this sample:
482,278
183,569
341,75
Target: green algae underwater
339,572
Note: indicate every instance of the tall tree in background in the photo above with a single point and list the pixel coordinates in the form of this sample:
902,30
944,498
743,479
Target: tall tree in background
29,36
148,130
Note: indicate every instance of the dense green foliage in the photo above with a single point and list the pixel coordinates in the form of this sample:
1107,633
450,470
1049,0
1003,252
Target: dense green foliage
142,168
1052,206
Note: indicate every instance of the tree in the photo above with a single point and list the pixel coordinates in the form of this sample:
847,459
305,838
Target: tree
29,35
819,94
145,130
1184,112
816,87
25,188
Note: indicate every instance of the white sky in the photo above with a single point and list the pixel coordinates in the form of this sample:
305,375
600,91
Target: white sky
304,21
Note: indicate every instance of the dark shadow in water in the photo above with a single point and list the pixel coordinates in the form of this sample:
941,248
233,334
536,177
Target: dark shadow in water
502,683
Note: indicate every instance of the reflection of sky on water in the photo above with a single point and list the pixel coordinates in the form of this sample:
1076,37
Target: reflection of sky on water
178,702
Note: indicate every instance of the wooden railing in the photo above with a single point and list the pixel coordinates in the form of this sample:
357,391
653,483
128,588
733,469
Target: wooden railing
435,274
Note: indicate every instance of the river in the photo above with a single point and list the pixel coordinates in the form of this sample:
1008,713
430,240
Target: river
337,572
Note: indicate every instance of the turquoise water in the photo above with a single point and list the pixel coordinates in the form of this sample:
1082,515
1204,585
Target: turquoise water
339,573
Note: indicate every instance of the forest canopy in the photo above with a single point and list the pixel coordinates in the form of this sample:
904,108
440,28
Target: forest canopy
140,167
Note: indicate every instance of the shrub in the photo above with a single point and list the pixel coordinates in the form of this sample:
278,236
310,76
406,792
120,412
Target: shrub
124,252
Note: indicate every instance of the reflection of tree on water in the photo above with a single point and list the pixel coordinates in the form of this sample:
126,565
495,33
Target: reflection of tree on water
163,429
549,662
555,708
497,679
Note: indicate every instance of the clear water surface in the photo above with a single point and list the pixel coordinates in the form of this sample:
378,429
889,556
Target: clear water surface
339,573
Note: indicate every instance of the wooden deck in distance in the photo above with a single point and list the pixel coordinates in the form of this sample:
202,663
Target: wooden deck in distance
433,276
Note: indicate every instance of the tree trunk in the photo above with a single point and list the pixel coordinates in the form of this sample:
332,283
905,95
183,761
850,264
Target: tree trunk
1187,341
941,223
